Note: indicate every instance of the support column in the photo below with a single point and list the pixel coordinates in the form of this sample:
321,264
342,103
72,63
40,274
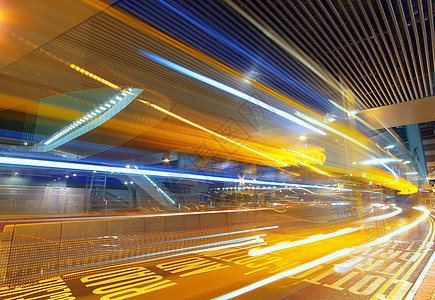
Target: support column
416,147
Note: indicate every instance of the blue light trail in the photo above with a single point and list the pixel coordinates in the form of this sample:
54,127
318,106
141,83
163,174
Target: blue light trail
34,163
231,90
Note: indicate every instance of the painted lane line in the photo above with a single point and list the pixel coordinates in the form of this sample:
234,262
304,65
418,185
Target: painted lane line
284,274
324,259
321,237
420,278
253,240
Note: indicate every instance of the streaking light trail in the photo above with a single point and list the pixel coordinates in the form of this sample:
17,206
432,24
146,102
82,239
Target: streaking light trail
231,90
284,274
99,168
157,188
311,239
282,164
322,260
249,243
382,217
303,155
377,161
344,267
403,229
199,248
321,237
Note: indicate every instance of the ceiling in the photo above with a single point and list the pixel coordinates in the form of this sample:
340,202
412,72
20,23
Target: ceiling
383,50
294,54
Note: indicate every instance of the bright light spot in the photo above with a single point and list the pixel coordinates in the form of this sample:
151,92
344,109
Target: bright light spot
302,137
377,161
351,113
389,147
93,76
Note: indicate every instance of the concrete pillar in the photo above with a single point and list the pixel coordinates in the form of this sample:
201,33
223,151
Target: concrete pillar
416,147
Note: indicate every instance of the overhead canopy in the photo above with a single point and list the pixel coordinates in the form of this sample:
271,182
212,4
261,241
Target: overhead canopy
413,112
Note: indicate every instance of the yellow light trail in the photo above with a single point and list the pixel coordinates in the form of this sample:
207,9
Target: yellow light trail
324,259
93,76
303,155
282,164
314,168
352,135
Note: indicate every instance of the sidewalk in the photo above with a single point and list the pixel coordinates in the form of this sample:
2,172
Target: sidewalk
426,290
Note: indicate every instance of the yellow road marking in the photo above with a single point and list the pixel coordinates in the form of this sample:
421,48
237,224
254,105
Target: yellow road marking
402,269
247,273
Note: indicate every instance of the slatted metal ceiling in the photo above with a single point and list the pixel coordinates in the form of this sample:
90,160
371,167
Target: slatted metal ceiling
383,50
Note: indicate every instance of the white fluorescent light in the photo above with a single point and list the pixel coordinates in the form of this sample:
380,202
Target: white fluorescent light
377,161
89,116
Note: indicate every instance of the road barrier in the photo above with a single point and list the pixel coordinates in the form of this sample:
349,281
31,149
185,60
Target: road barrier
42,250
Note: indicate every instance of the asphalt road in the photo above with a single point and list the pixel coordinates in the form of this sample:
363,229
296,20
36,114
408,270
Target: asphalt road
380,270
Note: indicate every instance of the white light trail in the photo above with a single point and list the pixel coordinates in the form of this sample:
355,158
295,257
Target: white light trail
284,274
99,168
321,237
322,260
311,239
232,91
